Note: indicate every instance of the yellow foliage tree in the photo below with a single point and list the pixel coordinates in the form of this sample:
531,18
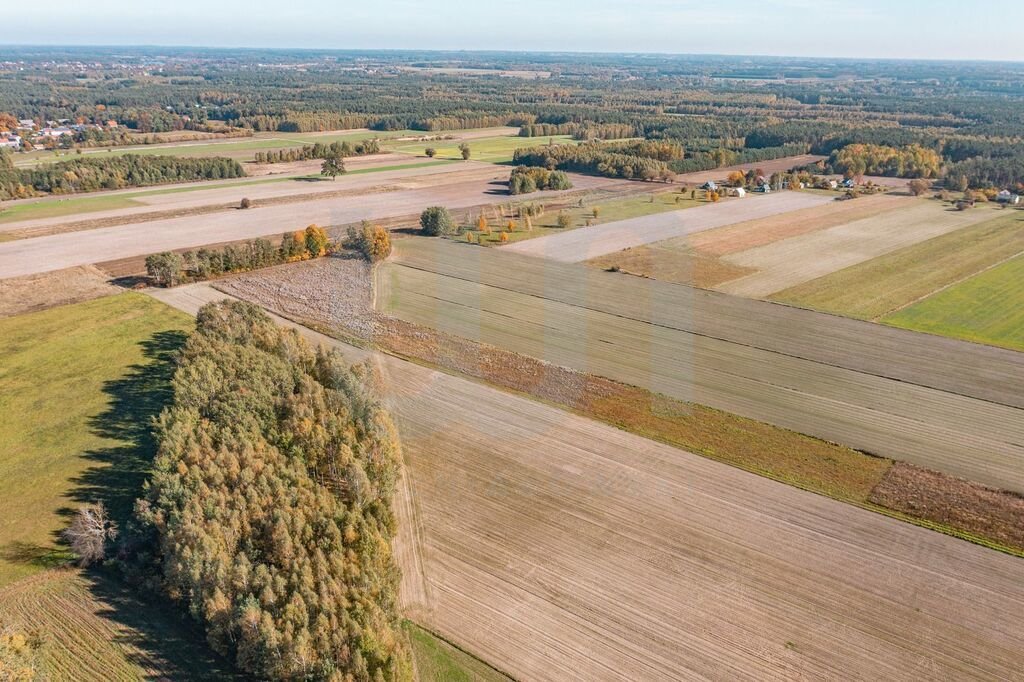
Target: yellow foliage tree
481,224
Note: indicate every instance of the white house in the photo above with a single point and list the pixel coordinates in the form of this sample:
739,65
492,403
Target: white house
833,184
740,192
1008,197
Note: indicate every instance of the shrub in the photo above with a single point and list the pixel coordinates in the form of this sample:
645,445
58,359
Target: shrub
564,220
431,152
245,203
436,221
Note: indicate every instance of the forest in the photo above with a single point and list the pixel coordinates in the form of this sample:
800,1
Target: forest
269,510
720,110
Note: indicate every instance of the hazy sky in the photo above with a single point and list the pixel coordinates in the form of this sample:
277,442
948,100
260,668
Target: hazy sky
935,29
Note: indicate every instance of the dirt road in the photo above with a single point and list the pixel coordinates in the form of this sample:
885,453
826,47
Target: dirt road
938,403
557,548
484,184
585,243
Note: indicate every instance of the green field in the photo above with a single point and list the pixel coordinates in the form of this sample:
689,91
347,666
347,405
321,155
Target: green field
881,285
77,386
490,149
608,211
987,308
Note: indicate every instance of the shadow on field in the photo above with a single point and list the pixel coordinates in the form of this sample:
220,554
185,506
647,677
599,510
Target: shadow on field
135,399
156,634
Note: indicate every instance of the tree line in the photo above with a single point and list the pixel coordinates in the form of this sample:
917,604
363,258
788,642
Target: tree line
320,151
594,159
269,513
110,172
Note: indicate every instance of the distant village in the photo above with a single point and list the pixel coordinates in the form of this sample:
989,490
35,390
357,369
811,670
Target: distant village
29,135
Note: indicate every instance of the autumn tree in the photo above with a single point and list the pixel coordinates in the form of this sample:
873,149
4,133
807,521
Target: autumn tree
316,240
564,220
919,187
90,533
373,242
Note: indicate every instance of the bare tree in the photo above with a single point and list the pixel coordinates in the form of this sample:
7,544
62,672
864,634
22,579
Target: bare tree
89,532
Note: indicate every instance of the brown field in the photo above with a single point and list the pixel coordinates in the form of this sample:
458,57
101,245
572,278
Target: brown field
787,263
673,263
904,397
754,233
580,551
591,242
37,292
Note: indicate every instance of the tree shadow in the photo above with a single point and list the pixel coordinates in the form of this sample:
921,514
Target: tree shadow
157,635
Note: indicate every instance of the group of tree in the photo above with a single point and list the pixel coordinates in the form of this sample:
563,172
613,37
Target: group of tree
527,179
320,151
269,515
911,161
372,242
593,158
580,131
170,268
90,174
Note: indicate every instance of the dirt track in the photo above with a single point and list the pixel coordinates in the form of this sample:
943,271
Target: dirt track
590,242
556,548
938,403
482,184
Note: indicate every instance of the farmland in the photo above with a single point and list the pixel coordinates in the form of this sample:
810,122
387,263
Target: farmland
986,308
581,245
786,263
899,396
491,149
542,593
877,287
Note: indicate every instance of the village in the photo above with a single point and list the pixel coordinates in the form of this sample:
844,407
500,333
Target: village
28,135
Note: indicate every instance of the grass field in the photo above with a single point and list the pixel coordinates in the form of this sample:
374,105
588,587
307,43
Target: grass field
490,149
73,416
608,211
435,660
987,308
881,285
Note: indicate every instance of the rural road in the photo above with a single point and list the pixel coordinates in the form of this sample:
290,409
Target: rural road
454,190
555,547
939,403
579,245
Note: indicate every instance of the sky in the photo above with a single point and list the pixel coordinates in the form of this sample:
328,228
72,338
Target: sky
905,29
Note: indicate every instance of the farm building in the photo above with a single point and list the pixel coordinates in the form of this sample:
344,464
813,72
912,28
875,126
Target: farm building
1008,197
739,192
710,186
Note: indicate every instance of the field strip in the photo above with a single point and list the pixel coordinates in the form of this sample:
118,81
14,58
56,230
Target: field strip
967,437
590,242
793,261
557,548
983,372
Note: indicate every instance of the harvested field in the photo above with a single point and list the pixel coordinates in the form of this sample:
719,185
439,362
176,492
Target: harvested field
552,567
987,308
674,263
455,190
904,397
591,242
751,234
94,628
985,512
882,285
786,263
50,289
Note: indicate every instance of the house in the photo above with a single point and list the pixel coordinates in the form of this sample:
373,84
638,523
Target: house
739,192
832,184
10,141
710,186
27,123
764,189
1008,197
848,183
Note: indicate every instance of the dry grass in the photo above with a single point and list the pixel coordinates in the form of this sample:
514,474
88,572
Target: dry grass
995,515
680,266
28,294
